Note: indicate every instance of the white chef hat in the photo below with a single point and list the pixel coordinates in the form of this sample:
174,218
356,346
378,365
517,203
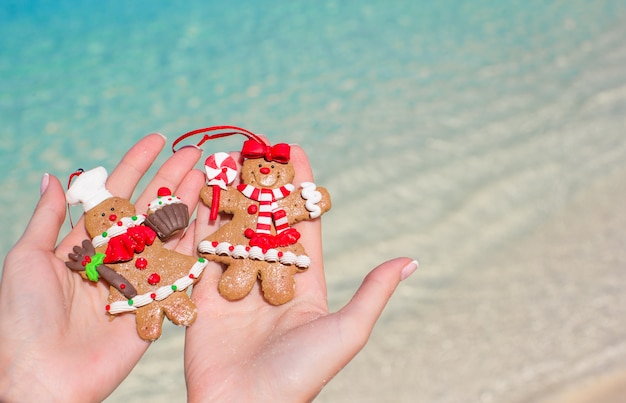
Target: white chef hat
89,189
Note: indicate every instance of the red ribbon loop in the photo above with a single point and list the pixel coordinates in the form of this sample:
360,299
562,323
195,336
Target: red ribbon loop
279,152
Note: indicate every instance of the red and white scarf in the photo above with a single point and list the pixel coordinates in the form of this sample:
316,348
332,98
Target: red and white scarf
268,208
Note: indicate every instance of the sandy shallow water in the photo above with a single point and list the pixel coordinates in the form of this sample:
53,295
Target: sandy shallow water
485,139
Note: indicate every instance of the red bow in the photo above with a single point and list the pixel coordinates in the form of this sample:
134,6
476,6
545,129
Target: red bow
254,149
121,248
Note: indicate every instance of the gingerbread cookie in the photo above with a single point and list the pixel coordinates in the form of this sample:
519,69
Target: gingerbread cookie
126,250
259,242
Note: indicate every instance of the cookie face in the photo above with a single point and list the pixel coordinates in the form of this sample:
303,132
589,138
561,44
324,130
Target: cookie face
106,214
267,174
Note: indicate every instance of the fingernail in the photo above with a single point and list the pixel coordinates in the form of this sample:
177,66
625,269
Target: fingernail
162,135
409,269
45,181
192,146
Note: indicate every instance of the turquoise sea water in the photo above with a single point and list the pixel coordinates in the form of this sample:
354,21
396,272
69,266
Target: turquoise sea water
444,130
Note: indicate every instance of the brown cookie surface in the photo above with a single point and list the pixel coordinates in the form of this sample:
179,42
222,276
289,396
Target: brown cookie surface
259,241
146,278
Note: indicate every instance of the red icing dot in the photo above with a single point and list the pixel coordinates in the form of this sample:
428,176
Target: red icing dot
214,243
141,263
191,276
247,249
280,254
122,286
164,192
252,209
119,223
231,248
153,295
154,279
108,307
249,233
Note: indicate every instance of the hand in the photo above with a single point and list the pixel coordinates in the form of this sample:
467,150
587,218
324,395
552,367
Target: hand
249,350
56,341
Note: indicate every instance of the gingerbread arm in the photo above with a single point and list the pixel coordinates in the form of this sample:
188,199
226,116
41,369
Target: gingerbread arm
308,203
229,198
206,194
86,259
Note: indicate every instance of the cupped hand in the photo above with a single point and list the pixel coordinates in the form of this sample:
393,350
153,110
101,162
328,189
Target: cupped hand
56,341
249,350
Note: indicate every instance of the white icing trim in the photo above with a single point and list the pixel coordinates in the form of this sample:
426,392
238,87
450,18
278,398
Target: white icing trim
163,201
160,293
254,253
115,230
312,197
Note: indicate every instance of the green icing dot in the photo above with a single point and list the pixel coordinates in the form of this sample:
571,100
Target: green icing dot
174,287
130,302
134,218
201,260
104,234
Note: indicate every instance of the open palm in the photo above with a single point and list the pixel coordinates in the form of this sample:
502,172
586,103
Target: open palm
56,341
249,350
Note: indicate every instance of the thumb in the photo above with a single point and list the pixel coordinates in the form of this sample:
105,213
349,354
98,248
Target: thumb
44,226
359,316
324,346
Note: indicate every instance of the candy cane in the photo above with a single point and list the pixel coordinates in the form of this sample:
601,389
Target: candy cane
221,170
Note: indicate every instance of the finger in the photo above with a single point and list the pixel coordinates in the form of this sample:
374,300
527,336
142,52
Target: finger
310,231
124,178
44,226
361,313
171,174
188,192
189,188
186,245
324,346
301,165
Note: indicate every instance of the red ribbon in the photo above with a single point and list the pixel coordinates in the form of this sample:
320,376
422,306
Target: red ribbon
279,152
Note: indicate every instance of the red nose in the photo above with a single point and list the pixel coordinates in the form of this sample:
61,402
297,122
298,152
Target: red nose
265,170
112,217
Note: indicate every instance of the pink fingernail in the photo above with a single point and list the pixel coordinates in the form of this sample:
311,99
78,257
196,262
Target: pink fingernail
409,269
45,181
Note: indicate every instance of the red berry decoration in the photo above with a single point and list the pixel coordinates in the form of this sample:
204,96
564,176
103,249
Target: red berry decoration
141,263
154,279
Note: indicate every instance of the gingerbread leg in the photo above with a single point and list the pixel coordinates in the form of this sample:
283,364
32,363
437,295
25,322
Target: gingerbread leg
179,309
237,281
278,283
150,321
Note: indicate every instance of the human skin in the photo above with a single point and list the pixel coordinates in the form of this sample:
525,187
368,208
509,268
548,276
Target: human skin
249,350
58,344
56,341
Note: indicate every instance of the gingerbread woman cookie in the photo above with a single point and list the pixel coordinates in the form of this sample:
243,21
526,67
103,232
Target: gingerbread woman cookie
126,250
259,241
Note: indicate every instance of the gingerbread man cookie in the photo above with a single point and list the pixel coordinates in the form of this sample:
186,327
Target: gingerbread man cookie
259,242
126,250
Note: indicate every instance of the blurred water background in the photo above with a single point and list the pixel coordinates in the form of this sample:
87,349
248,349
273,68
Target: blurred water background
484,138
